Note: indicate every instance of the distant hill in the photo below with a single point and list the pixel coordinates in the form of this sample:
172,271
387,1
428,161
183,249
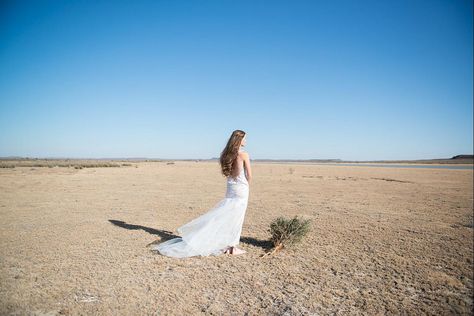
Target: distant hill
463,157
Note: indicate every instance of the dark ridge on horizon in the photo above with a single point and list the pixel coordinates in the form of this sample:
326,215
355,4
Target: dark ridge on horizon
465,159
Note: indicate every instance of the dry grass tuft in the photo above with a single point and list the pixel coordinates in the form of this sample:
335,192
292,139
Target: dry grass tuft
287,232
67,163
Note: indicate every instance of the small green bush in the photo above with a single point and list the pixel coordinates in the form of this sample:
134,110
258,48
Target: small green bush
286,232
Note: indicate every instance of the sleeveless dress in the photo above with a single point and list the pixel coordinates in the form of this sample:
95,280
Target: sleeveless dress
217,229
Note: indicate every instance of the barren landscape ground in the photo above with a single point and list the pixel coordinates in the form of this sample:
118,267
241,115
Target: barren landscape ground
382,241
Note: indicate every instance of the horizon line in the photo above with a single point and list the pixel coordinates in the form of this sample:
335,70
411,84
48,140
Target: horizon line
455,157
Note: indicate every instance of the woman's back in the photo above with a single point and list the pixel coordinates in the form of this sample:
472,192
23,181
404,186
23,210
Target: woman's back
238,170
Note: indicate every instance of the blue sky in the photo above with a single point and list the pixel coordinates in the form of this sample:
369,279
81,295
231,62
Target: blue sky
354,80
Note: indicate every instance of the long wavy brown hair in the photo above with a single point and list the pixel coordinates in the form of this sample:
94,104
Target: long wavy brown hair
230,152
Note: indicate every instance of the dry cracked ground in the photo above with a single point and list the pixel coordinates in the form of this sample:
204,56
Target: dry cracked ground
382,241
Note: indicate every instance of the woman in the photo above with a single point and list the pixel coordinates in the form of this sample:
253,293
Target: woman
218,231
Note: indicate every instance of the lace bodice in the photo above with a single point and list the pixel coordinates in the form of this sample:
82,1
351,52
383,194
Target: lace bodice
238,186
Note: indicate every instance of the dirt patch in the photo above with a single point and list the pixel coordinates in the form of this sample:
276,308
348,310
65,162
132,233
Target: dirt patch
76,241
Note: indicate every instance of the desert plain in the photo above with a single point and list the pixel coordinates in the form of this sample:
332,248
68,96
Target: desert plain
383,241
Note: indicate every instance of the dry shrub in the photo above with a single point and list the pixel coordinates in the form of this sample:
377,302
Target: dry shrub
285,232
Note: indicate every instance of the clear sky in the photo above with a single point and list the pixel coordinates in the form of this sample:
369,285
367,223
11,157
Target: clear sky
354,80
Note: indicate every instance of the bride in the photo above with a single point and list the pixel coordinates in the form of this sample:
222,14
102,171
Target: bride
218,230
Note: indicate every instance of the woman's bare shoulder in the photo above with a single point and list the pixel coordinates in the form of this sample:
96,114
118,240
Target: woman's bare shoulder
243,154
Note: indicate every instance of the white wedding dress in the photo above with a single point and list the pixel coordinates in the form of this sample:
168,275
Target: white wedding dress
214,231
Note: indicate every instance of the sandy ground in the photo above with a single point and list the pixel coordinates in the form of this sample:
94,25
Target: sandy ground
383,241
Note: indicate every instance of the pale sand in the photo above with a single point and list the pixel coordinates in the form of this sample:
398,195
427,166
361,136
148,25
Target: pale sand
376,246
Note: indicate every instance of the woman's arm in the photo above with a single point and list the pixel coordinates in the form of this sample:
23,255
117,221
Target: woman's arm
246,158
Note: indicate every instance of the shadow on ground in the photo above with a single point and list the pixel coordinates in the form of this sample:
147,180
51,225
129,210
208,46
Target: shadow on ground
166,235
265,244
